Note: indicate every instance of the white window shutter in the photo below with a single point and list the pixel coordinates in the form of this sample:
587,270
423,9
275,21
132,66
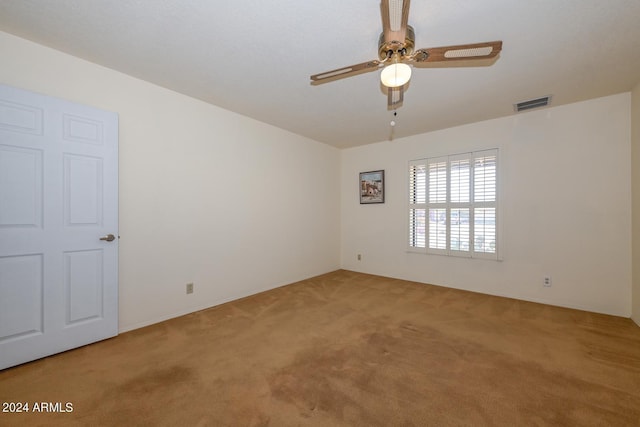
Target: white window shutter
453,204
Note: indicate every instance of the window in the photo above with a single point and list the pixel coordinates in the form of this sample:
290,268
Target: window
453,205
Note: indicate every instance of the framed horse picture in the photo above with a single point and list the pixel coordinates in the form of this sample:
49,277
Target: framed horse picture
372,187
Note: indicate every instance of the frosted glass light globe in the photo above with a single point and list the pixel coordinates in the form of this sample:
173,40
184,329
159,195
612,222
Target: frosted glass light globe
395,75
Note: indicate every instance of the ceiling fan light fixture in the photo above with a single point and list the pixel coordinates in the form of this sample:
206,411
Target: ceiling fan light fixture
395,75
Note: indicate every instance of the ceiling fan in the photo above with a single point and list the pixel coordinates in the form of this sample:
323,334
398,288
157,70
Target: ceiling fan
396,52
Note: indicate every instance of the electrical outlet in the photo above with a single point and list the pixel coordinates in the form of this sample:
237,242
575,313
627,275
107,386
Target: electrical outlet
359,257
547,281
189,288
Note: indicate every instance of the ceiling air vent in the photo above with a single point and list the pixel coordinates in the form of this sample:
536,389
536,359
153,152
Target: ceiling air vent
532,103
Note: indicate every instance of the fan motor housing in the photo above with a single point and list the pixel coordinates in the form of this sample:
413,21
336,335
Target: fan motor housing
397,46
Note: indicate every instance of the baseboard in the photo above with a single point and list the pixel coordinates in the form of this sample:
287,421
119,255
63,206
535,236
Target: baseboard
206,306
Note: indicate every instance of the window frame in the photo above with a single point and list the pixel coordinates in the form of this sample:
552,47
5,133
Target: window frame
421,205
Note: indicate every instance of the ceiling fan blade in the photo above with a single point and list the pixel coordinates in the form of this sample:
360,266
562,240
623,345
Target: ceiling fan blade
395,96
346,71
453,53
395,16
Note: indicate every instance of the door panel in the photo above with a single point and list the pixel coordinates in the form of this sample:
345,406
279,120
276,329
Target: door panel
20,187
58,197
21,313
82,191
84,286
18,117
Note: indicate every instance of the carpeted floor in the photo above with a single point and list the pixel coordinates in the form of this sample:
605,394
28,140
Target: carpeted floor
347,349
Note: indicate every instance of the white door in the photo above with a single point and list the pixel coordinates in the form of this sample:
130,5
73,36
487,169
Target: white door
58,198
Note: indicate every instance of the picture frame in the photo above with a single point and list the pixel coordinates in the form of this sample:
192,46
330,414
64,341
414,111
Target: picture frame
371,187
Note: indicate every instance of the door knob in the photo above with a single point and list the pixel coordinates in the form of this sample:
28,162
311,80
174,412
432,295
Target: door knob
108,238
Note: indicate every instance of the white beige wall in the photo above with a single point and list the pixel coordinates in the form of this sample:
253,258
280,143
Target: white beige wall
566,209
206,196
216,198
635,183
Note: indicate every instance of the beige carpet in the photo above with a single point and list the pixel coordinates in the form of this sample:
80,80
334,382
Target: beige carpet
348,349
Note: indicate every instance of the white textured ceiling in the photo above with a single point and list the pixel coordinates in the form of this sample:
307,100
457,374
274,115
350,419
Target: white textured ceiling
255,57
